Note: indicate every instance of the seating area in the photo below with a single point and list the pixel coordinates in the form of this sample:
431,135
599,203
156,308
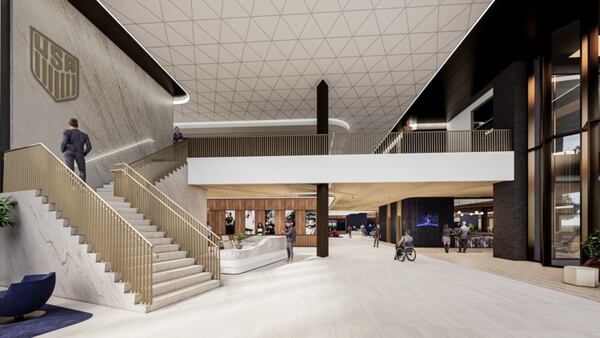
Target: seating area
27,296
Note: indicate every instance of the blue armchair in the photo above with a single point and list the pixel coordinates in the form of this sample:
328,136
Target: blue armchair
27,296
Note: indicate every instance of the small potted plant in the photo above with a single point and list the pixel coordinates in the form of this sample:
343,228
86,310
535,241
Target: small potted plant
6,205
591,246
238,238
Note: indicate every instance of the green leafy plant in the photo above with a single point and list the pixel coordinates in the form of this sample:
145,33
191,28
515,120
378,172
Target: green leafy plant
6,205
239,237
592,245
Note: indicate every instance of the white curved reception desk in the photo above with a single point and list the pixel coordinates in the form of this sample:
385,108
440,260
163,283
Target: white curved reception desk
256,251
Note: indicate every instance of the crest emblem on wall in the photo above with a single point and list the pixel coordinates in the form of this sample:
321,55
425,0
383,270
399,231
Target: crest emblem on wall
53,67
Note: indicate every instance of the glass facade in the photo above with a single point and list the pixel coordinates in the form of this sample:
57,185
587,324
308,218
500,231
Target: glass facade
566,197
564,141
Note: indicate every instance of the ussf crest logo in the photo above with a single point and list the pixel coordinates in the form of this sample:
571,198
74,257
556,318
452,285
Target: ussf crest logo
54,68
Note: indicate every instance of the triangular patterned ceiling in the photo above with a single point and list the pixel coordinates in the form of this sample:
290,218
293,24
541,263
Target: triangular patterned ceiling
262,59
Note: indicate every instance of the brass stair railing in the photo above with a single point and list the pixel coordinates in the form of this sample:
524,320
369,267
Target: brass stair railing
117,241
193,236
156,165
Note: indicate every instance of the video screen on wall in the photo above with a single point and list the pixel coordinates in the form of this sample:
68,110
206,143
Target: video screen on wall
428,220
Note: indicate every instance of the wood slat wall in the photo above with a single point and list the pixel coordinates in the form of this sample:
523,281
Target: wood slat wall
217,208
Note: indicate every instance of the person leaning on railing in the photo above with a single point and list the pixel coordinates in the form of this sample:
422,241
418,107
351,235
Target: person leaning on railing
177,136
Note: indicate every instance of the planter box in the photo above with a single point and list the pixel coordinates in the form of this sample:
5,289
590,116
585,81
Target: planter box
581,276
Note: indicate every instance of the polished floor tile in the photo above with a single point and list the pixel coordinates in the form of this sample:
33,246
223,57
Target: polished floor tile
359,291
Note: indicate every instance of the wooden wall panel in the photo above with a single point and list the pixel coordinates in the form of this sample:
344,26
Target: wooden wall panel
279,221
220,221
240,221
300,221
306,241
260,217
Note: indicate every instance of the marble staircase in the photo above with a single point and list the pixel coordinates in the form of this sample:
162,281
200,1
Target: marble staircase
175,275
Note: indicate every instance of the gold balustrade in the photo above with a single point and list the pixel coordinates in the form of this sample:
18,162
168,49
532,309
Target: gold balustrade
110,235
156,165
353,143
194,237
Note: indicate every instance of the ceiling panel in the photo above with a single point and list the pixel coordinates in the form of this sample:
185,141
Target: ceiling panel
262,59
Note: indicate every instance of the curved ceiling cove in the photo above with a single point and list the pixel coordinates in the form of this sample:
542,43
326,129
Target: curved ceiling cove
243,60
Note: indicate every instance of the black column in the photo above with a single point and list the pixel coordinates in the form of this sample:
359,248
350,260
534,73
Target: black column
4,84
322,108
323,188
510,198
322,220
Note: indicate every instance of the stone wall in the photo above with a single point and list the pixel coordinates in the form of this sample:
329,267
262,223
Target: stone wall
118,105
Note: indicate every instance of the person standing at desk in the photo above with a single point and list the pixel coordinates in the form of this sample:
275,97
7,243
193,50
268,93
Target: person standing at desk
75,146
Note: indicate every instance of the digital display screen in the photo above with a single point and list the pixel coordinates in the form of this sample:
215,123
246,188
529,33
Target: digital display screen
428,220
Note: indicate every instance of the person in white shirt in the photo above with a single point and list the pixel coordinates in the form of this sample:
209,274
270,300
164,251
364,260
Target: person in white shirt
463,238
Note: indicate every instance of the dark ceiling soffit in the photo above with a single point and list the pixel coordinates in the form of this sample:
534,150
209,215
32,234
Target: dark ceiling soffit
491,45
105,22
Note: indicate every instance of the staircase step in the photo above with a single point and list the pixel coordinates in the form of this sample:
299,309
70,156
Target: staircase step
119,204
167,256
127,211
181,294
162,276
172,264
180,283
108,189
165,248
138,222
146,228
160,241
153,234
132,216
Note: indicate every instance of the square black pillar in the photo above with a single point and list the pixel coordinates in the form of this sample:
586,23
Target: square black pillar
510,197
322,108
323,188
322,220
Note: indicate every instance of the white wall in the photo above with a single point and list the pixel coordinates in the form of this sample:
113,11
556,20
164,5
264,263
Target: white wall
119,104
464,120
442,167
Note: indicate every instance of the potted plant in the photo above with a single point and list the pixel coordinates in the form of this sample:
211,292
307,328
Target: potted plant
591,246
238,238
6,205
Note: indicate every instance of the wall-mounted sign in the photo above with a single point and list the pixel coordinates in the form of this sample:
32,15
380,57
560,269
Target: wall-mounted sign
53,67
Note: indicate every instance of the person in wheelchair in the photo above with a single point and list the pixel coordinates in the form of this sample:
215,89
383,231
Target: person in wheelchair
406,242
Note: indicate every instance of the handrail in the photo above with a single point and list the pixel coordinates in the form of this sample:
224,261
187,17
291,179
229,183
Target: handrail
151,202
354,143
117,241
206,232
158,164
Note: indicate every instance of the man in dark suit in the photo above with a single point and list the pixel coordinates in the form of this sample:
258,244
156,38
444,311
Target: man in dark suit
75,146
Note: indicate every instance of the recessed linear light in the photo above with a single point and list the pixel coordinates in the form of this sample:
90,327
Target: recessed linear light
181,99
258,123
577,53
118,150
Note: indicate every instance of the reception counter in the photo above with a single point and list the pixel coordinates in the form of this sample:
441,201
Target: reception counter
256,251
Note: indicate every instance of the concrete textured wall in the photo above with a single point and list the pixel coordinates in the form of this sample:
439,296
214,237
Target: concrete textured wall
190,197
118,105
40,243
510,198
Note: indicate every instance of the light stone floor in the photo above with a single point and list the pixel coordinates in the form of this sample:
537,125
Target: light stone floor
530,272
359,291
